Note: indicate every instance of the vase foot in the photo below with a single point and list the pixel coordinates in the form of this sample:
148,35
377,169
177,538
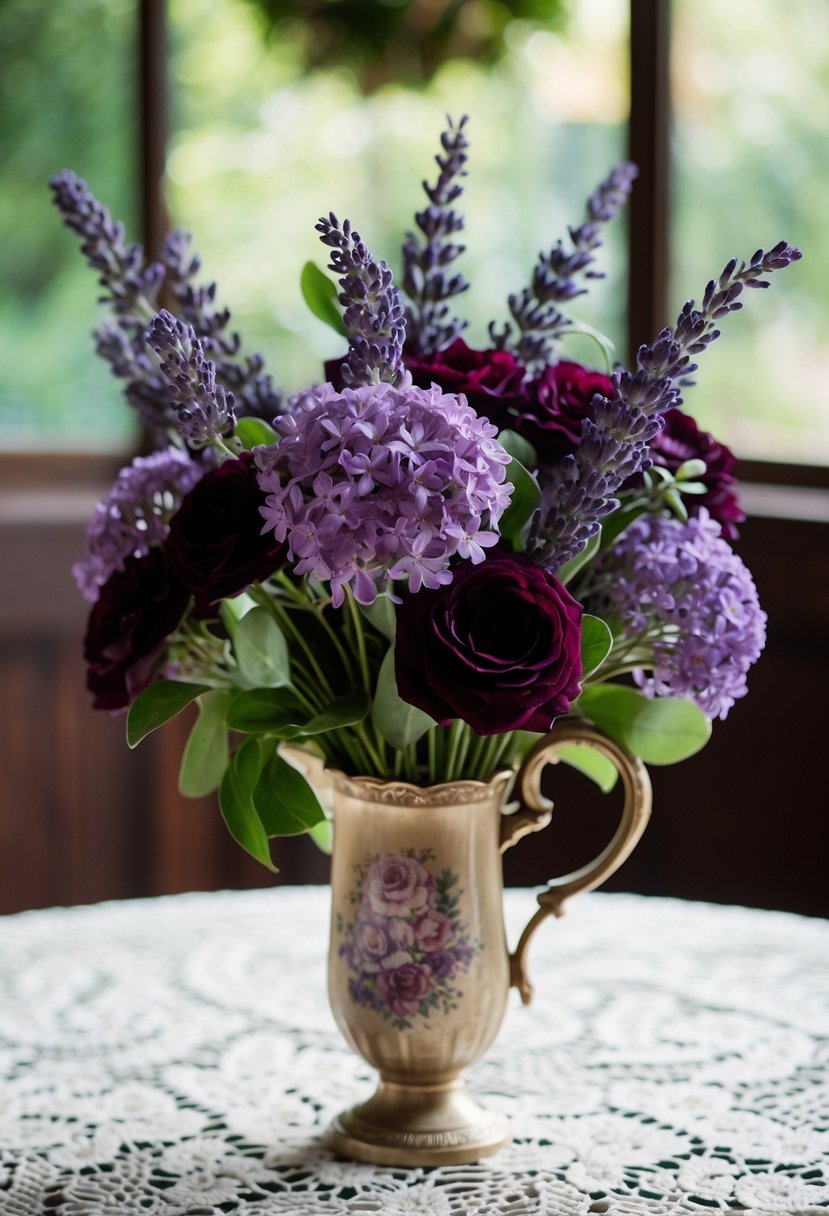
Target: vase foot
418,1125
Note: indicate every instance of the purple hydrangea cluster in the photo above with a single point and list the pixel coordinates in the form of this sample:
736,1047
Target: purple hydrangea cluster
135,515
678,590
378,483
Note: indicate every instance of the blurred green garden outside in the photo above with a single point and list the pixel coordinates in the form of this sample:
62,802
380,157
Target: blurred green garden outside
260,148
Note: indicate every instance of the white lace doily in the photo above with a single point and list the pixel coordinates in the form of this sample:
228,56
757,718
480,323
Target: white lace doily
177,1056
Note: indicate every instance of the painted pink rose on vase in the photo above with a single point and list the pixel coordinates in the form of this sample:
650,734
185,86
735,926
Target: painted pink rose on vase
408,943
397,885
405,988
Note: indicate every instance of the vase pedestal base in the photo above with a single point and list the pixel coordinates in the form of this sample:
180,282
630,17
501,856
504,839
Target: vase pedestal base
418,1125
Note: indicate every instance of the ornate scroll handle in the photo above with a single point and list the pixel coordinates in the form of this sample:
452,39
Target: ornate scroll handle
635,814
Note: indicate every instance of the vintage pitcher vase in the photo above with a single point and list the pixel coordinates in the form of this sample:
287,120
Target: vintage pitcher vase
419,968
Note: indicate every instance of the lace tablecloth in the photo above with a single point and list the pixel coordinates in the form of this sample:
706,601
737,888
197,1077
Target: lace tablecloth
177,1056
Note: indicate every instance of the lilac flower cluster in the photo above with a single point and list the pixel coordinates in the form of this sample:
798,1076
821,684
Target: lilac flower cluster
374,318
380,483
204,410
133,288
680,593
556,276
615,441
135,515
408,941
429,327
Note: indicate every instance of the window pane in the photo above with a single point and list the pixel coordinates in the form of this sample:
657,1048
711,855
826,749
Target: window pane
67,102
751,93
260,150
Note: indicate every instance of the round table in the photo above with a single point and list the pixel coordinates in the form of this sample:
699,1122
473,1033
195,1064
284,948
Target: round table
176,1056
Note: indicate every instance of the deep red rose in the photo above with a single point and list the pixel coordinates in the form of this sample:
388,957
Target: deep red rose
499,647
557,404
491,380
681,440
137,610
216,546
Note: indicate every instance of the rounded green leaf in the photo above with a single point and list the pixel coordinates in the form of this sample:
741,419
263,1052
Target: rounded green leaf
205,757
157,704
660,730
596,643
261,650
285,802
236,803
525,498
254,432
320,294
398,722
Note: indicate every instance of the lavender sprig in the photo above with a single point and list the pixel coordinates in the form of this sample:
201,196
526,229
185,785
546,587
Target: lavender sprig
429,325
204,409
253,387
374,318
557,276
615,442
133,289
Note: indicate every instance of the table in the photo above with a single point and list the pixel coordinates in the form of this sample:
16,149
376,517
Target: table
176,1056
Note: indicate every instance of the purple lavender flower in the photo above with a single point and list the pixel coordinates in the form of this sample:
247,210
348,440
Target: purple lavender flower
615,441
678,592
133,287
378,483
429,326
556,276
205,411
373,318
134,515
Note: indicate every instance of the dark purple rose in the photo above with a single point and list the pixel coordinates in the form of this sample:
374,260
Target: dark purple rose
556,405
404,988
499,647
491,380
137,610
216,546
681,440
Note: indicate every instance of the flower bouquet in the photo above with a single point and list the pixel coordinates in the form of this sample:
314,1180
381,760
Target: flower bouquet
397,580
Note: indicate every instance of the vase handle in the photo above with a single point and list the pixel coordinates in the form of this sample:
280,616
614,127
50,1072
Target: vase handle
635,814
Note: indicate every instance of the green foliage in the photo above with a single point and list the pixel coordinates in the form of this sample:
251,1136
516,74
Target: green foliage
399,723
660,730
237,806
252,432
590,762
284,801
525,499
320,294
277,711
205,755
261,650
570,569
596,643
157,704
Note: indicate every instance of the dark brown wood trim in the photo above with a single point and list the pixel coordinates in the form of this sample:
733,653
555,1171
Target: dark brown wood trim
153,111
648,146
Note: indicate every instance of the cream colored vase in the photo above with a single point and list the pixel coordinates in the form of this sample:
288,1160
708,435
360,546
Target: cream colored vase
419,969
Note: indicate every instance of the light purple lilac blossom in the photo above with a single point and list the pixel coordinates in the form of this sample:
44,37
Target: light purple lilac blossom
615,441
134,515
374,318
555,281
380,483
678,591
204,410
429,326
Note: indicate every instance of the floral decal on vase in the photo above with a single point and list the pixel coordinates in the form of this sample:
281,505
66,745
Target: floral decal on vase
408,945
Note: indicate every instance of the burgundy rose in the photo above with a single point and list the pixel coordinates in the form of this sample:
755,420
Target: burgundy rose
404,988
491,380
137,610
216,546
499,647
557,404
681,440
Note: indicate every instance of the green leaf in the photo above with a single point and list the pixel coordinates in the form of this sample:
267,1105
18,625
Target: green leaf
614,525
261,650
284,801
205,757
320,294
236,803
157,704
660,730
570,569
596,643
253,432
261,711
525,498
322,835
519,448
382,616
590,762
398,722
347,710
